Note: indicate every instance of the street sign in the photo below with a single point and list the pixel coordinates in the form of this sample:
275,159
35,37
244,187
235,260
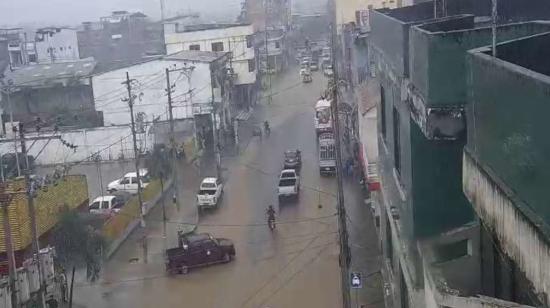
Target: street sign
356,282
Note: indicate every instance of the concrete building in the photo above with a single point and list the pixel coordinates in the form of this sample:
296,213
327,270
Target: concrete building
199,91
120,39
275,58
234,38
504,174
15,49
435,249
266,13
58,93
56,45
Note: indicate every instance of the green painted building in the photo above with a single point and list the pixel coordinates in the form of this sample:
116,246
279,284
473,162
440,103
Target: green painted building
430,232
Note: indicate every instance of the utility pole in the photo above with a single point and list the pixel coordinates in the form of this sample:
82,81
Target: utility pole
494,15
130,101
345,256
187,70
270,95
215,132
32,213
172,136
7,89
5,199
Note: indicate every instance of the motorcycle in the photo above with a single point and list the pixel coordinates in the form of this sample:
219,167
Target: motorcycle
271,223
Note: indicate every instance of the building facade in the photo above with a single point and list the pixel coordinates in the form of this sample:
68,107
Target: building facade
58,94
436,251
120,39
238,39
504,174
199,91
56,45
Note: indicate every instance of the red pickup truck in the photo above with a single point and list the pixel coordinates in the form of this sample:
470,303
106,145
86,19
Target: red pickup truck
197,250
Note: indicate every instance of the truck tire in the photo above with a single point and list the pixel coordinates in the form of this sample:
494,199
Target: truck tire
183,270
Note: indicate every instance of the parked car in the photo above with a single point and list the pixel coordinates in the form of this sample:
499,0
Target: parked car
289,184
210,192
106,205
129,182
197,250
293,159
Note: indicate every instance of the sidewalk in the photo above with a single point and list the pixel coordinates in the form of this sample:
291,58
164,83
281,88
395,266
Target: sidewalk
366,255
146,246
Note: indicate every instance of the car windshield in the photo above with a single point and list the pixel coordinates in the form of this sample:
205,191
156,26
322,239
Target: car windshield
95,205
288,174
208,185
287,182
207,192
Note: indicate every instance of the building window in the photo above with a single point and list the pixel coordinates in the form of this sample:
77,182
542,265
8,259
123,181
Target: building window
195,47
396,142
249,41
251,65
277,45
218,46
383,112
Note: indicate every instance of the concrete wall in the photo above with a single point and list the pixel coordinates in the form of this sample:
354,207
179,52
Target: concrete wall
234,39
438,62
112,143
511,222
118,44
55,102
59,46
439,203
150,88
390,36
507,127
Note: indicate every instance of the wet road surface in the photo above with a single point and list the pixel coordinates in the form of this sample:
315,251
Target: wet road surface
294,266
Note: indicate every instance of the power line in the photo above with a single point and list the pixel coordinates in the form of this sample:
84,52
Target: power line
277,273
163,276
237,225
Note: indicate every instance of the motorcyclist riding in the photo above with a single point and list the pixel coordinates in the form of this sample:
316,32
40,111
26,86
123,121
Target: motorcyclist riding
271,217
266,128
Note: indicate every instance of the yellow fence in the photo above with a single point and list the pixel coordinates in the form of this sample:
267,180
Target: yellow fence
71,191
115,226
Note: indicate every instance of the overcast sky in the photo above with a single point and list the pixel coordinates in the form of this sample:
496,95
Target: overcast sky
73,12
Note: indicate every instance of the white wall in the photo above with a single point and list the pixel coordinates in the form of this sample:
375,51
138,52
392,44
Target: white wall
150,88
64,45
233,39
111,142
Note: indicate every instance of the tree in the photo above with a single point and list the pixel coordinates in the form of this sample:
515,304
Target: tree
158,161
76,240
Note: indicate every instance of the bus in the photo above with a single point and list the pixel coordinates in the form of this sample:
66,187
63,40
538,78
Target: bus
323,116
327,154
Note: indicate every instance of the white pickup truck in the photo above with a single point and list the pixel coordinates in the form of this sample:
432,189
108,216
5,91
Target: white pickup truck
289,184
210,192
